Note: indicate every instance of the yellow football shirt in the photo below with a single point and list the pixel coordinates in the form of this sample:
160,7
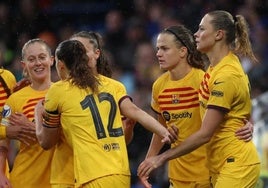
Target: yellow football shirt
32,164
226,87
92,127
177,102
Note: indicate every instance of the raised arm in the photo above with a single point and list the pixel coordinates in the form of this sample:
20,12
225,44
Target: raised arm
133,112
156,144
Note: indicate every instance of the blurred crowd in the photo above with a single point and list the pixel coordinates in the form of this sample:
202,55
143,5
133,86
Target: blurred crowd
129,30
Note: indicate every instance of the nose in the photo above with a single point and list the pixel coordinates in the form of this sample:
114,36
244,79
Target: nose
38,61
195,34
158,53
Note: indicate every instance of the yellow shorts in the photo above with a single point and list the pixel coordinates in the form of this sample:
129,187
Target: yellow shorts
112,181
189,184
236,176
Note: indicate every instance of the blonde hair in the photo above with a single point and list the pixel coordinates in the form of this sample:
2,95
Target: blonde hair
32,41
237,32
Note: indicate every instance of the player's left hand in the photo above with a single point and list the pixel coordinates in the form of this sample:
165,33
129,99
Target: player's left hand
147,166
246,132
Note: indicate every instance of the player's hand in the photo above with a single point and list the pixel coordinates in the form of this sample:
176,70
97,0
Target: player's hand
246,132
147,166
144,181
21,128
174,131
171,135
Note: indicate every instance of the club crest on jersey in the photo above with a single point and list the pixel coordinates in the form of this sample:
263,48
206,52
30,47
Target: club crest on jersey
175,99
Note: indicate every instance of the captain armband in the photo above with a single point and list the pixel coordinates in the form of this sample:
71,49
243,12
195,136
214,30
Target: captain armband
51,120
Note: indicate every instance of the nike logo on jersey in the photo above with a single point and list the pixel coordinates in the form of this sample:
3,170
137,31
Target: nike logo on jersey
216,83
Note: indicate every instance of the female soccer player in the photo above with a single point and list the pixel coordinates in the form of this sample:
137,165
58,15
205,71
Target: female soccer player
31,167
224,96
88,108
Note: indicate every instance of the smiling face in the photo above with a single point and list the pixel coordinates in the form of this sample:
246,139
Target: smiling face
168,53
37,61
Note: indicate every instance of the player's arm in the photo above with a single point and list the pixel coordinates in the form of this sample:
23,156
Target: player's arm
47,127
156,144
211,122
131,111
154,149
20,128
128,125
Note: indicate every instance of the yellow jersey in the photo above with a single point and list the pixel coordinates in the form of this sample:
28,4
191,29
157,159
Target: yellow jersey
92,127
226,87
177,102
32,164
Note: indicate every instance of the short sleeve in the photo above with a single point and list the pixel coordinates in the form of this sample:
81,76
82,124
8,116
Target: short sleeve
52,98
222,92
154,99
